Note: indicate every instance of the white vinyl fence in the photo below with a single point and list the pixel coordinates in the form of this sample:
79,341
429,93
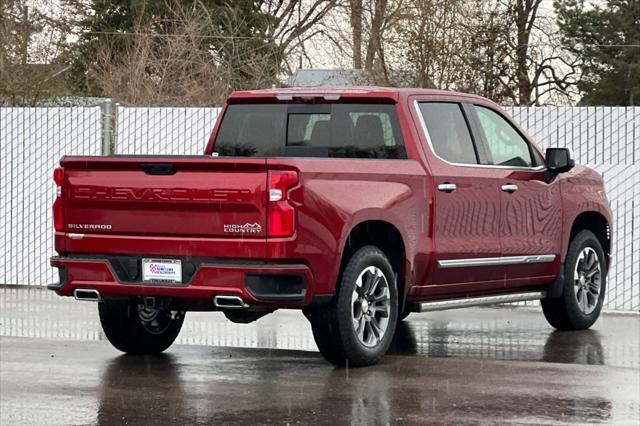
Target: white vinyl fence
176,131
606,139
33,139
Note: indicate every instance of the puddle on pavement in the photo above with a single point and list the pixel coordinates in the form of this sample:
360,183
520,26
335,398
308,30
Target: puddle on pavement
502,334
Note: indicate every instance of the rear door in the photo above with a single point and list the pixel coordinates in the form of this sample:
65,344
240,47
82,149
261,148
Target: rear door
466,227
531,207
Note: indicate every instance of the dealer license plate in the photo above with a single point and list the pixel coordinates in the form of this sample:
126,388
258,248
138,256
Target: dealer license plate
161,271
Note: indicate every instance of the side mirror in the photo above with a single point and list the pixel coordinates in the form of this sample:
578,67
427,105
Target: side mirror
558,160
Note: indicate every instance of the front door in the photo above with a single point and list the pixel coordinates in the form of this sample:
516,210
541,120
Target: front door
531,208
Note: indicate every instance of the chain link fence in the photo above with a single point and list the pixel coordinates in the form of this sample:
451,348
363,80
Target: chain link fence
33,139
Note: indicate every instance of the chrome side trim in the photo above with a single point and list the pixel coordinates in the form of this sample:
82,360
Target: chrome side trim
482,166
439,305
493,261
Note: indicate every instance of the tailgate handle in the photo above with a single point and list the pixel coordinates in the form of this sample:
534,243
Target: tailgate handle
159,169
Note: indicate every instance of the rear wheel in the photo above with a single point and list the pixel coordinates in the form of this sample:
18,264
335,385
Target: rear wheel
357,327
585,281
136,329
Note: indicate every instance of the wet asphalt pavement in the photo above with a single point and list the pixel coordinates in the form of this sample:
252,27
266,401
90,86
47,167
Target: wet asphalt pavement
457,367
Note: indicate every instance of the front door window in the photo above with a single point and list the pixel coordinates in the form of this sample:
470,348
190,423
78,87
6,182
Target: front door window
506,146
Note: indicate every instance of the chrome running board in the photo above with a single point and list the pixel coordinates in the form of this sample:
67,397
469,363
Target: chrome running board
467,302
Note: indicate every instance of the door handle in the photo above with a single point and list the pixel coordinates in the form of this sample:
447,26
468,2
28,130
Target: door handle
447,187
509,187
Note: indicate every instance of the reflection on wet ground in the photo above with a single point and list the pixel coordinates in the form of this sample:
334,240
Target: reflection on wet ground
503,334
465,366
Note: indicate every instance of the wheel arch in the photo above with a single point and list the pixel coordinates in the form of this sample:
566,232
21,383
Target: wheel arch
388,238
595,222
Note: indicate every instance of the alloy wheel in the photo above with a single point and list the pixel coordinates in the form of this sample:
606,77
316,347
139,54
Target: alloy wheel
587,280
371,306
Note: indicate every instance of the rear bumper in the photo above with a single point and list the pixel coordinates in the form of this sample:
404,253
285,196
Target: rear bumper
253,282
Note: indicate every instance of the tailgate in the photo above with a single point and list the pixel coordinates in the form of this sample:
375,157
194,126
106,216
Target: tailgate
165,196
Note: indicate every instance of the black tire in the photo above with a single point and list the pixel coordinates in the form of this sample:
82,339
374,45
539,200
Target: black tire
126,331
564,312
332,325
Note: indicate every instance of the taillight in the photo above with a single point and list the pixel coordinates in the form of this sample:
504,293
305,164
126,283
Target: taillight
58,219
281,214
58,176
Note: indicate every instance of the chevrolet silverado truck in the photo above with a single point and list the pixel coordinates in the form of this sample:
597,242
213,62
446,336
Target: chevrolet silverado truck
355,205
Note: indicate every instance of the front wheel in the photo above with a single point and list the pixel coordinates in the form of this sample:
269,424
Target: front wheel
136,329
585,282
356,329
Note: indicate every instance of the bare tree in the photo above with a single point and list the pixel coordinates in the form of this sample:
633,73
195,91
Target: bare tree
292,24
542,68
525,14
507,50
200,54
365,39
485,55
374,45
355,16
176,68
429,34
28,47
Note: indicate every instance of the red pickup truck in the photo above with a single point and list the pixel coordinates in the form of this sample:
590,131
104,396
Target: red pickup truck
357,205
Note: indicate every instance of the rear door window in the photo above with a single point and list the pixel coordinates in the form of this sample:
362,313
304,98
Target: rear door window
448,132
311,130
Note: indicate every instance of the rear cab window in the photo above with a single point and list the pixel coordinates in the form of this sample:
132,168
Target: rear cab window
338,130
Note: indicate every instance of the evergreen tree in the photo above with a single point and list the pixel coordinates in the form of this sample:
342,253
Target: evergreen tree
236,35
606,37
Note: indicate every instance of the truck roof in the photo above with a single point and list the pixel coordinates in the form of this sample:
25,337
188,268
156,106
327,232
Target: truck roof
341,92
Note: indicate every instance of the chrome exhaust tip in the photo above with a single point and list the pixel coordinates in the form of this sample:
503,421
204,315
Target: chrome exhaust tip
87,295
229,302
